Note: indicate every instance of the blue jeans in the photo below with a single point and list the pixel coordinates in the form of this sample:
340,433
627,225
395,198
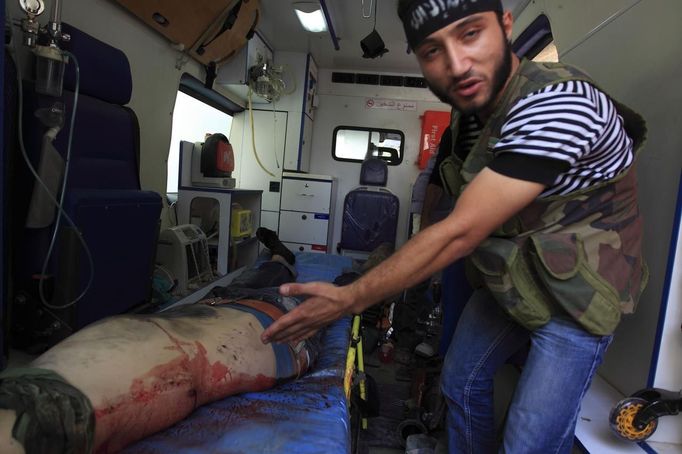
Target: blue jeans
542,417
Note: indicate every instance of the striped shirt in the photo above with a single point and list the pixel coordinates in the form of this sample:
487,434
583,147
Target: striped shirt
571,127
469,132
567,136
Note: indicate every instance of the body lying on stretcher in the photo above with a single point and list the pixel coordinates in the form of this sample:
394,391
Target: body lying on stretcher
126,377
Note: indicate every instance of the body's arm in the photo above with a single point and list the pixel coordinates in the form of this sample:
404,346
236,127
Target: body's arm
488,201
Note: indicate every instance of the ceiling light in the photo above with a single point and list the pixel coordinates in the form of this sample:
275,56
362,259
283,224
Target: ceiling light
311,17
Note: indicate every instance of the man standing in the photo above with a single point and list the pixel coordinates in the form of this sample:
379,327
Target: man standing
546,213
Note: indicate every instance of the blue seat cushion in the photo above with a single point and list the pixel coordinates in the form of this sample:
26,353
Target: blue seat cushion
370,218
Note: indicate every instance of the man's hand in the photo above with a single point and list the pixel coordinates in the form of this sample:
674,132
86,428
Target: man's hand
488,201
325,304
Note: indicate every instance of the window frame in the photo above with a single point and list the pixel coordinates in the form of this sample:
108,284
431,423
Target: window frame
370,130
194,88
534,38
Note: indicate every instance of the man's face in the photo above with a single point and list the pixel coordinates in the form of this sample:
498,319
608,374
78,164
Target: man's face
467,63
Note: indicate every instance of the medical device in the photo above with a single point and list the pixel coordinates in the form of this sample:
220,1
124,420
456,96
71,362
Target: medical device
183,251
210,164
50,61
41,211
267,80
217,156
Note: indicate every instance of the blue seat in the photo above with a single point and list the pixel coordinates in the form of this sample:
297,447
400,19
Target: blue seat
119,221
370,212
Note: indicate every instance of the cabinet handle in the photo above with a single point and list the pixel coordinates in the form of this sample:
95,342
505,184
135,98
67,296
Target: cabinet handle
304,217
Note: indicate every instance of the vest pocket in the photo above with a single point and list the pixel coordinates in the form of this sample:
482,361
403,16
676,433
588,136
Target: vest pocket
506,274
561,264
451,177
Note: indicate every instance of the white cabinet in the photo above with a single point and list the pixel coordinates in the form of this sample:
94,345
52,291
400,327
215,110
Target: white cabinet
301,193
305,227
306,217
301,247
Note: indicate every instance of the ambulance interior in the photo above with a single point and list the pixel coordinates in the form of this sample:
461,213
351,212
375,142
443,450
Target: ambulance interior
189,125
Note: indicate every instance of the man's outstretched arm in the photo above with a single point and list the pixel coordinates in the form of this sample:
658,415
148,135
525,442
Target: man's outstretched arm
488,201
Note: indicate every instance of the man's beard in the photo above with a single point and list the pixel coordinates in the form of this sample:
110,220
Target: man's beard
500,76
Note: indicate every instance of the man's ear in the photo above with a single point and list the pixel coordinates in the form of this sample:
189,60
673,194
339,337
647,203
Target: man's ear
507,24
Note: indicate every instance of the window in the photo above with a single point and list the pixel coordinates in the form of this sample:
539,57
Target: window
192,120
198,111
355,144
537,42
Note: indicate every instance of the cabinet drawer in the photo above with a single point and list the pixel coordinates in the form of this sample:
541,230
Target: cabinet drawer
307,228
306,195
298,247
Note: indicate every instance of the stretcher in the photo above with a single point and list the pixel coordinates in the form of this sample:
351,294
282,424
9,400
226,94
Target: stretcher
308,415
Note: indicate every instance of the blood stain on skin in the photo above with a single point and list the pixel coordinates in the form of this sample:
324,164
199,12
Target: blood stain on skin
168,392
220,372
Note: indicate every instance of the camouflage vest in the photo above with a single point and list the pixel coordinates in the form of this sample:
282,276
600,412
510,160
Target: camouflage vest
578,254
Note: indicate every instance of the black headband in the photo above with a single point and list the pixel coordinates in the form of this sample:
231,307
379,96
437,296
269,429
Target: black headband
423,17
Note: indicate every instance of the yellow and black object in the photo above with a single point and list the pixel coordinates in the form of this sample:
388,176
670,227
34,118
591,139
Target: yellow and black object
356,370
635,418
241,222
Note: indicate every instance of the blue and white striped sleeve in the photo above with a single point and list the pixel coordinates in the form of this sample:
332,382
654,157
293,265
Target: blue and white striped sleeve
560,132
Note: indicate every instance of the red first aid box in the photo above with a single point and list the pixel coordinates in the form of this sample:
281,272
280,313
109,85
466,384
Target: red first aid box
434,123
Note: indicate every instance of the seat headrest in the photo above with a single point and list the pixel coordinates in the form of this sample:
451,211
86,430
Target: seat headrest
374,172
104,69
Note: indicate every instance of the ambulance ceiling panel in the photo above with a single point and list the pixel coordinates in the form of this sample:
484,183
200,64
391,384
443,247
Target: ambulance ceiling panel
283,31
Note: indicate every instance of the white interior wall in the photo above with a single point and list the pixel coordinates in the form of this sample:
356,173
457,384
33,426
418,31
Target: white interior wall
294,65
277,126
344,104
270,137
632,49
293,138
669,363
299,69
155,77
